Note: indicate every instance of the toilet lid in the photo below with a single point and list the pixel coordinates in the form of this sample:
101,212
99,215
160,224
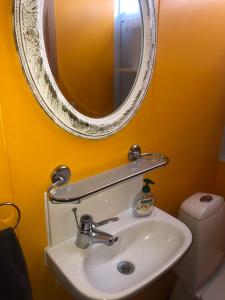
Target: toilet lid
216,290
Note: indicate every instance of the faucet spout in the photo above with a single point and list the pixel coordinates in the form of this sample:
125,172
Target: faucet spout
99,236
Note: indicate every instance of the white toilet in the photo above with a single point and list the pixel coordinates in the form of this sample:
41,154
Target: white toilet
201,273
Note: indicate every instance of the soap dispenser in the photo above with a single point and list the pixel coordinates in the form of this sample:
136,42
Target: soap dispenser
144,201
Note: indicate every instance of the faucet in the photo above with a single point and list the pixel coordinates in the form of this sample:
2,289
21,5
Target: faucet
88,234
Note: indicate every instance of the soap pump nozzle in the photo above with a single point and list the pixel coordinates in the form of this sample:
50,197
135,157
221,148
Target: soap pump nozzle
147,188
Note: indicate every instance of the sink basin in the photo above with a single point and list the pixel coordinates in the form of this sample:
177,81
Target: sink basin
146,248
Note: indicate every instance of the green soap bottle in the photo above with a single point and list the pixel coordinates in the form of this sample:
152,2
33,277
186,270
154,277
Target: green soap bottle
144,201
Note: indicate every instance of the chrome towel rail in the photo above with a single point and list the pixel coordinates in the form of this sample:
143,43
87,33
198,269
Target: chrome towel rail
17,209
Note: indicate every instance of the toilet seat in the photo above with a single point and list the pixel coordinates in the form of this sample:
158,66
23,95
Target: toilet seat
216,287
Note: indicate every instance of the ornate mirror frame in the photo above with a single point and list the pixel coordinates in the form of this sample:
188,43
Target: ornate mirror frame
28,20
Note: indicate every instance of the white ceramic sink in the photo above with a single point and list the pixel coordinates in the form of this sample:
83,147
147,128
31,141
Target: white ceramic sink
152,244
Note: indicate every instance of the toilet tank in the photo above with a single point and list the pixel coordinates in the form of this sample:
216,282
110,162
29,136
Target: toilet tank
204,214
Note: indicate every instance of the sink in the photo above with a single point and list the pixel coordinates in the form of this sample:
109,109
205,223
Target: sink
147,247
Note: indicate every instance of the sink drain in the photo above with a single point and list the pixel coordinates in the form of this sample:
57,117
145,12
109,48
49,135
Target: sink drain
125,267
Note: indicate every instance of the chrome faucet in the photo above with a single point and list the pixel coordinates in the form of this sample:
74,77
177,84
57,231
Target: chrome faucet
88,234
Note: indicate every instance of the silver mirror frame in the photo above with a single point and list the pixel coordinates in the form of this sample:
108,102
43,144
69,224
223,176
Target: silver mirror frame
28,28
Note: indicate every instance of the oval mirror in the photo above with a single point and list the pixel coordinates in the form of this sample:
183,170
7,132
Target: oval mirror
88,62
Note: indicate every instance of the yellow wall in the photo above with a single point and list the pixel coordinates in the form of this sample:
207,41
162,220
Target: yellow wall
181,116
220,179
85,51
7,216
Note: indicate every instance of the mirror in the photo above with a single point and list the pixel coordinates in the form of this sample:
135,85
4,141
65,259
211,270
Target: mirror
88,62
94,59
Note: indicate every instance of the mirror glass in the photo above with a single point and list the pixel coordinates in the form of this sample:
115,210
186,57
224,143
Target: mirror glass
94,49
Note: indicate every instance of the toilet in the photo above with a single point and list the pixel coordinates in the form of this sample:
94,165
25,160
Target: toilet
201,272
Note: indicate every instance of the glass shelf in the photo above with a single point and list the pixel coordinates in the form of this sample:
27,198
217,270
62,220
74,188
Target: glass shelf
75,192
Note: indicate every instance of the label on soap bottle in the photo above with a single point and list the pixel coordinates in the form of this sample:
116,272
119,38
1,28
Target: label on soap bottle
145,207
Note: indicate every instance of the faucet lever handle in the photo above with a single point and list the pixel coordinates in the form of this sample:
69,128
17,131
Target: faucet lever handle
104,222
74,210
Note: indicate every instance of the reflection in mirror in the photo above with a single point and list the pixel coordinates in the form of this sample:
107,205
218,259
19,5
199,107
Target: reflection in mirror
94,48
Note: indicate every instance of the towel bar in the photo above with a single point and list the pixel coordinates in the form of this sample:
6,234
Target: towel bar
17,209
